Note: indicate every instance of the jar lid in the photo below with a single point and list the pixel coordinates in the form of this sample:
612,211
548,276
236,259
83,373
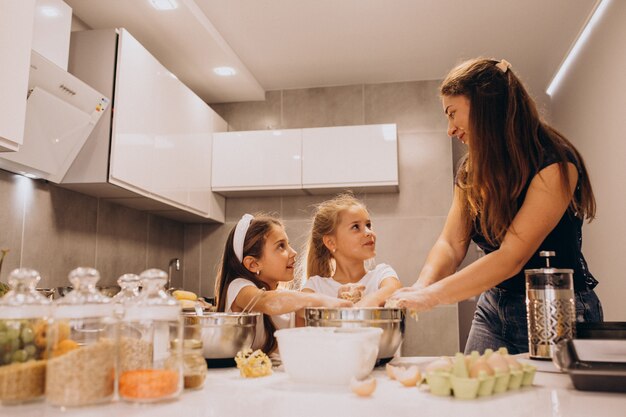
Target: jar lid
22,300
83,281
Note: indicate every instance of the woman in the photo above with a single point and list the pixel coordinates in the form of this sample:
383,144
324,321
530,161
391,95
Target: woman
521,189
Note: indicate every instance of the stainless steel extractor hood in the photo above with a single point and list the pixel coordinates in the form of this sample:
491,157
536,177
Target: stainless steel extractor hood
61,112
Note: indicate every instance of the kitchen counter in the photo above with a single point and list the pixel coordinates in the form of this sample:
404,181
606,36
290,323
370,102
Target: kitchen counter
227,394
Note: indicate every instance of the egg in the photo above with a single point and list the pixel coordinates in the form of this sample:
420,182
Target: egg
480,365
514,365
363,388
389,370
409,377
443,364
497,362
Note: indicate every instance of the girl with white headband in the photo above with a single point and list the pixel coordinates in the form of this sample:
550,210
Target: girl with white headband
256,259
341,242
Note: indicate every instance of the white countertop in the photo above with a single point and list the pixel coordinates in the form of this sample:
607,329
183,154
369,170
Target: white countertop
227,394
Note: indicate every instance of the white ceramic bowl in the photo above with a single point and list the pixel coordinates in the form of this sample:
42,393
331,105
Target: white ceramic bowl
328,355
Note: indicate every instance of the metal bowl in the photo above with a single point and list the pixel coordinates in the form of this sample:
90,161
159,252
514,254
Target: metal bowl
390,320
224,334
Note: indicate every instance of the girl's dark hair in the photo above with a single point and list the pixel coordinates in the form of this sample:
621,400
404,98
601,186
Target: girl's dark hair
509,142
232,268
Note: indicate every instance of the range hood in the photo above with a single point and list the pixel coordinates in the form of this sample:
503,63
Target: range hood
61,112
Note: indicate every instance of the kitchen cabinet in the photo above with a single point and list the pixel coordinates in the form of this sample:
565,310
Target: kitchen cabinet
357,157
51,32
16,34
306,161
260,161
154,153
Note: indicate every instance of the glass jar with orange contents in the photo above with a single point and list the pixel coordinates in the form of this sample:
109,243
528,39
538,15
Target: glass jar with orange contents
150,364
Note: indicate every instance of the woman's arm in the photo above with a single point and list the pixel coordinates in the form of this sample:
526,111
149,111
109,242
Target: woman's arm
280,302
450,248
543,207
376,299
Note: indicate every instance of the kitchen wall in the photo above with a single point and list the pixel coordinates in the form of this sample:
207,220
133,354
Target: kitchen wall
54,230
588,107
407,223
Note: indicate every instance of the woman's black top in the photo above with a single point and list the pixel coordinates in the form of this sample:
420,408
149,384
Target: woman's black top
565,240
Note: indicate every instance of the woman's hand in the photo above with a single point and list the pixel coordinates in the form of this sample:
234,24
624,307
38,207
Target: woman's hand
415,299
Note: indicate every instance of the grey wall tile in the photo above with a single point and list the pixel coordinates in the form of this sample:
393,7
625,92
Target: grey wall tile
166,242
413,106
122,241
404,243
15,190
213,241
192,257
434,333
326,106
425,177
59,232
253,115
237,207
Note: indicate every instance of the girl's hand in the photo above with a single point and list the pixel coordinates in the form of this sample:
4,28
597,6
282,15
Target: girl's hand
332,302
351,292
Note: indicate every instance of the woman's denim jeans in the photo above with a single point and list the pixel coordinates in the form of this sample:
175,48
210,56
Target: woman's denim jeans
500,319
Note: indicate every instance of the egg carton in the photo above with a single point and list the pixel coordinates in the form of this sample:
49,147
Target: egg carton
457,381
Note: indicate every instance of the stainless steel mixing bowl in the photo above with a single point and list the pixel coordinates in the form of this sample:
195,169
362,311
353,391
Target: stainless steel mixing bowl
391,320
224,334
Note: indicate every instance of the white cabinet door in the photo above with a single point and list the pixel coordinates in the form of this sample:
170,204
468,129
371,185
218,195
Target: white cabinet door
257,160
52,29
16,34
162,133
350,156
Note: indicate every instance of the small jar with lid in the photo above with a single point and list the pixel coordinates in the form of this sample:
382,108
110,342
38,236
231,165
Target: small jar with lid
150,363
194,364
23,323
129,291
82,345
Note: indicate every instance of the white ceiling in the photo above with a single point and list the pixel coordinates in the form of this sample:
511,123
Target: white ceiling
284,44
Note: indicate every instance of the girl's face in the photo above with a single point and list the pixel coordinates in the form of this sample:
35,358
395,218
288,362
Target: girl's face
353,237
277,263
457,110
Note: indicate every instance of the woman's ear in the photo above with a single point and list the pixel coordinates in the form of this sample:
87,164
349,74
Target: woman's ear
251,264
329,242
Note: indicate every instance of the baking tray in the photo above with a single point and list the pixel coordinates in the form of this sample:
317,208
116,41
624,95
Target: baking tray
601,330
594,364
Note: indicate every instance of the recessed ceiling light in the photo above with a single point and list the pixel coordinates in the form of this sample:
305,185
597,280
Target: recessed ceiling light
29,175
164,4
224,71
49,11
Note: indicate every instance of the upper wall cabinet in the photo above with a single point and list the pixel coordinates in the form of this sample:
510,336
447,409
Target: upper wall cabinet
154,153
264,160
16,34
306,161
358,157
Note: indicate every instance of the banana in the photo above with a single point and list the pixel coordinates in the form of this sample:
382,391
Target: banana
184,295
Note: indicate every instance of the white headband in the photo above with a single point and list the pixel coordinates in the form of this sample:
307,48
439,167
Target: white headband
240,235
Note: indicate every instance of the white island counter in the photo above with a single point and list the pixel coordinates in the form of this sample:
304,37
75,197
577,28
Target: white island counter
227,394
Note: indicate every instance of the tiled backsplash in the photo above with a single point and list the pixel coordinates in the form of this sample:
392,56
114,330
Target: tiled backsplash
54,230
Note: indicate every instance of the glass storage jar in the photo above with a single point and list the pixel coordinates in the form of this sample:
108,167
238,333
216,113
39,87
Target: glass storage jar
194,364
129,291
82,345
150,364
23,323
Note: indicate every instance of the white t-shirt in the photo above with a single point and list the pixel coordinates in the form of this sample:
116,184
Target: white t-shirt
371,280
281,321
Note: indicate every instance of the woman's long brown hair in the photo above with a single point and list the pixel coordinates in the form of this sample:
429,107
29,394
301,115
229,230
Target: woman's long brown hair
232,268
509,142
